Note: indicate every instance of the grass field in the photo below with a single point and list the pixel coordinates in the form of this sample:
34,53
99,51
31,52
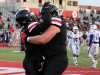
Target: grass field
13,54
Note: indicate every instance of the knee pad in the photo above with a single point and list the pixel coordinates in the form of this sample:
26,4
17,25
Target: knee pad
89,55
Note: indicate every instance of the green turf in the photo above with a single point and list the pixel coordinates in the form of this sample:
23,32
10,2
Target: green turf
8,54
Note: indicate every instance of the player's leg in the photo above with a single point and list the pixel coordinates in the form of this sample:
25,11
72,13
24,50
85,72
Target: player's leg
30,67
55,65
96,52
92,47
74,54
77,52
95,55
69,42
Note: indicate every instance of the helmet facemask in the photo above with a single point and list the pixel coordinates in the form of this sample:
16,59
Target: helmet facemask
75,29
24,16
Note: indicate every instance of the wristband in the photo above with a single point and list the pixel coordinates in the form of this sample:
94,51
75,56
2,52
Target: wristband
28,39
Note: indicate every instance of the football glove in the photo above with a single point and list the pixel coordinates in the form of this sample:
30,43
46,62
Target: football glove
46,5
23,37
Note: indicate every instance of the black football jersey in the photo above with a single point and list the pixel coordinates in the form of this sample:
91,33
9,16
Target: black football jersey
57,44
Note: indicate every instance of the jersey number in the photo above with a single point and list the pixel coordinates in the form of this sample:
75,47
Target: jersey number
75,39
97,36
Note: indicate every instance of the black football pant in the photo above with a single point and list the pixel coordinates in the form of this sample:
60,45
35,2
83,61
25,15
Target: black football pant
55,65
31,67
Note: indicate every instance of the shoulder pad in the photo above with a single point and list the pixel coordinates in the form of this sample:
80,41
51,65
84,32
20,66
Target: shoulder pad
32,25
56,21
92,31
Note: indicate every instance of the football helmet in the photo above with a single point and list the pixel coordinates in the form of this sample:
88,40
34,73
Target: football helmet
93,27
24,16
75,29
53,9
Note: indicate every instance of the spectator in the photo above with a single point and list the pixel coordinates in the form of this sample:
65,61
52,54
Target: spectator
8,19
0,26
0,17
98,18
7,37
91,15
0,38
0,13
93,19
67,25
10,39
72,18
92,11
84,38
9,26
84,12
3,37
84,18
87,18
14,12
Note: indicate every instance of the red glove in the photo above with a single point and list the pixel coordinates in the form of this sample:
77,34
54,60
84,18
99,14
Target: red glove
23,36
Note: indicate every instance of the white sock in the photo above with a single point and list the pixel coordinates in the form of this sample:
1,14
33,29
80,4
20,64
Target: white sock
74,59
96,61
91,57
81,44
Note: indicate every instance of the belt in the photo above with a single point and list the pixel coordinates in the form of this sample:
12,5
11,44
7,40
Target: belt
96,42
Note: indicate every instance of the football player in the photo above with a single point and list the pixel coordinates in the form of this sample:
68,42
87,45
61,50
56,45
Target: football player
33,53
93,44
75,37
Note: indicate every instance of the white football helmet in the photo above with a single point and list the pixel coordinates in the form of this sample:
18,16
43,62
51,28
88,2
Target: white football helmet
75,29
93,27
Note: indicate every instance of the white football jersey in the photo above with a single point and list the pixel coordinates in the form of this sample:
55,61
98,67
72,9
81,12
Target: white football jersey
75,38
96,35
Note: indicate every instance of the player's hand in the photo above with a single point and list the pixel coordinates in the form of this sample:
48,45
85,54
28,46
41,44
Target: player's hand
81,46
46,5
23,35
68,49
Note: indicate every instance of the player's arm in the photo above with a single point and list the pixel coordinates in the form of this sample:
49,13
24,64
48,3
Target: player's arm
45,37
45,24
49,33
80,40
91,38
90,42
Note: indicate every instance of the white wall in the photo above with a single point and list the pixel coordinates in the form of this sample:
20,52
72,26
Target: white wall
17,6
90,2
